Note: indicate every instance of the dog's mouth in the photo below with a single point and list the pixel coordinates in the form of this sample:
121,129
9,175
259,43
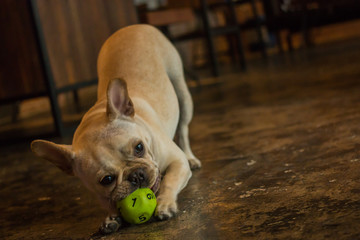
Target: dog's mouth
156,186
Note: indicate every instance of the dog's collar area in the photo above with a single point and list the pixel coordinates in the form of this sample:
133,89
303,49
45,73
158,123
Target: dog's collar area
156,185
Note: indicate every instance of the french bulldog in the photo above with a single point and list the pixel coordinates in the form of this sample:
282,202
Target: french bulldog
125,141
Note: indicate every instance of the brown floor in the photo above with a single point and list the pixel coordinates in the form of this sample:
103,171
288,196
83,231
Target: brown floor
280,151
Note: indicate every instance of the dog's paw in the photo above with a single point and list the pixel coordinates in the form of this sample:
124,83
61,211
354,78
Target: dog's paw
165,208
110,225
194,163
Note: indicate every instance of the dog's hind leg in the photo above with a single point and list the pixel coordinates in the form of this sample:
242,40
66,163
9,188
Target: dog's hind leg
184,144
186,114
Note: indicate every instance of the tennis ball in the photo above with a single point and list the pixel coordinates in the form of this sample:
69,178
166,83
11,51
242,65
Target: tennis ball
138,207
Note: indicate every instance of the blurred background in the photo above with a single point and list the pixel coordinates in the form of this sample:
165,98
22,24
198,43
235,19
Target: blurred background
49,48
275,85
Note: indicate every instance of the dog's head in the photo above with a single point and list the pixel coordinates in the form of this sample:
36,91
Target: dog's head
112,151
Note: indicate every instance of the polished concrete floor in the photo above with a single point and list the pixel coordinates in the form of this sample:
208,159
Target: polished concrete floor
280,146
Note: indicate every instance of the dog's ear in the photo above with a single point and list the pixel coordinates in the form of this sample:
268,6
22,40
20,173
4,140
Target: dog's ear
118,100
60,155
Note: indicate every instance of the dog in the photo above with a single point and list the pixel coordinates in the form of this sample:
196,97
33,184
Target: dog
125,141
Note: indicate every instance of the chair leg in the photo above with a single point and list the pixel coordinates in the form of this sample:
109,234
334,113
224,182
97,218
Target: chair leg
237,36
188,72
232,47
289,41
76,100
258,29
15,111
279,42
209,38
50,83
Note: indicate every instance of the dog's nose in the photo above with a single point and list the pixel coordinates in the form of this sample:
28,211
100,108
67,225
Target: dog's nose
138,178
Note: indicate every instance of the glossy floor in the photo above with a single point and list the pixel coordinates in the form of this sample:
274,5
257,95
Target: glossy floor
280,151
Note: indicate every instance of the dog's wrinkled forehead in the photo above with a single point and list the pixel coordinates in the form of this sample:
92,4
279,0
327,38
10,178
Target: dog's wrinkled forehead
95,132
118,128
115,137
107,146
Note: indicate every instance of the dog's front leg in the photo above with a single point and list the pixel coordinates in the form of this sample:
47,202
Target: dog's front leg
111,224
177,175
113,221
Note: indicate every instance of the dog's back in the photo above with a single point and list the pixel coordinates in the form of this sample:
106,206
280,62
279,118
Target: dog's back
146,60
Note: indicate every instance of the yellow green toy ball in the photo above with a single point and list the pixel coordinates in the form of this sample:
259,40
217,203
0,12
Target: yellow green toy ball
138,207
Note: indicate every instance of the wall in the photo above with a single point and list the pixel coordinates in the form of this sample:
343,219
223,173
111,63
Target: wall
74,32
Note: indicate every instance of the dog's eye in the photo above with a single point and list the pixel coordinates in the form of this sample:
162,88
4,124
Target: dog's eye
107,180
139,150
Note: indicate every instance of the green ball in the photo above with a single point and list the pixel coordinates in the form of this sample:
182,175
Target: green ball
138,207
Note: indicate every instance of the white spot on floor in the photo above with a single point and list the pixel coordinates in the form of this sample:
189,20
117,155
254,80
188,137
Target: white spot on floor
252,162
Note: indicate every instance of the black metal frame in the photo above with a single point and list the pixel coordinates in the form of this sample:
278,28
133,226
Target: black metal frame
45,62
51,90
232,28
210,32
303,19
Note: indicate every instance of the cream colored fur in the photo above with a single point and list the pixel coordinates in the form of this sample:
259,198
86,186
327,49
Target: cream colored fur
142,98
